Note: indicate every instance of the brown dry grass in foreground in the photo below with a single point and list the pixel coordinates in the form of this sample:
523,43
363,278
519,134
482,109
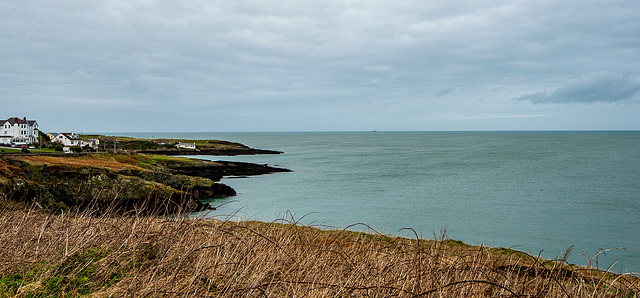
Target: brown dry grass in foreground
81,254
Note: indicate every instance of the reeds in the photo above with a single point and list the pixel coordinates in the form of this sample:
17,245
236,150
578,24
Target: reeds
103,255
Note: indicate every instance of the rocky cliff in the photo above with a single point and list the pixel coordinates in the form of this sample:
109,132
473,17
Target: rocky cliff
149,184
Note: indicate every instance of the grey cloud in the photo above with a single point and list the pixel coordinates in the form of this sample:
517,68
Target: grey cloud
170,55
444,91
597,87
499,88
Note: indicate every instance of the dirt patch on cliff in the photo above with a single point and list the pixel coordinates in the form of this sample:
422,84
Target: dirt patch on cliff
8,171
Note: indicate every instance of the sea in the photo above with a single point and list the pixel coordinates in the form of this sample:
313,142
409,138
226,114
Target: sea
540,192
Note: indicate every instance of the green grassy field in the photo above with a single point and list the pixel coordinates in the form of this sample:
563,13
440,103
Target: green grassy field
5,149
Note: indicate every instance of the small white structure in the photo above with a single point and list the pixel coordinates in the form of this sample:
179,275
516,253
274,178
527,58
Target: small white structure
187,146
72,139
16,130
67,139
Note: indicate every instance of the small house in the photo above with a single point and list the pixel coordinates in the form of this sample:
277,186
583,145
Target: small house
187,146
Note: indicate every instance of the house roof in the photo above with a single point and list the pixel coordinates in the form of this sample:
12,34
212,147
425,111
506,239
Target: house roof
70,135
16,120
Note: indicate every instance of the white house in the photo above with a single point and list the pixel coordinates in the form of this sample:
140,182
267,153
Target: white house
72,139
16,130
187,145
66,139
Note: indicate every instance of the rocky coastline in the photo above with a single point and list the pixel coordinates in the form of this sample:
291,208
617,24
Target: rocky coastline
156,184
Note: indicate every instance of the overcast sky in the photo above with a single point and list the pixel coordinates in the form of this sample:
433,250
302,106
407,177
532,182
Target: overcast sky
320,65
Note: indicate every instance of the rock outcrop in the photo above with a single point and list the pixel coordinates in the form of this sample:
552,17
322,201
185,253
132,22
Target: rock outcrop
134,183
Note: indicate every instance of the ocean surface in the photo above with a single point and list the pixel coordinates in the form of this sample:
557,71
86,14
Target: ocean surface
538,192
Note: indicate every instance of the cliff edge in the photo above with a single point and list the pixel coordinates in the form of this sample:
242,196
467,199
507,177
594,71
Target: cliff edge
143,183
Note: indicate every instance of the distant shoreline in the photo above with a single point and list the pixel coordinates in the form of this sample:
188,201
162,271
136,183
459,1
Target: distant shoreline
225,152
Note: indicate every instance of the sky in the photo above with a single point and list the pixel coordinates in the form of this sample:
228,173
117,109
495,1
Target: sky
320,65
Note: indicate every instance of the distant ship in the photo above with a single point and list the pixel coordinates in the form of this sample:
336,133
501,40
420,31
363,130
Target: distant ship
375,130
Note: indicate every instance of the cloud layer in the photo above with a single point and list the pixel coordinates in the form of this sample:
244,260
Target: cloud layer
597,87
342,65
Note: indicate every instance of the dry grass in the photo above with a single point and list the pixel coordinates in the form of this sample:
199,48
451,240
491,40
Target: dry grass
7,170
110,161
83,254
102,160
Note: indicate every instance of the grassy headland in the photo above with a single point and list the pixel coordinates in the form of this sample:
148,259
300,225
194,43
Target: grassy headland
170,146
127,182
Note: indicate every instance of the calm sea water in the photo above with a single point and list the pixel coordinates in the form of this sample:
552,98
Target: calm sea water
539,192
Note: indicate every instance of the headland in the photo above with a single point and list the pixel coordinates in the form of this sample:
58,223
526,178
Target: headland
138,175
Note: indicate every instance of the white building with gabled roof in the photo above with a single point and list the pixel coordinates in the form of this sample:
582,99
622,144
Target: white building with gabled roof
16,130
72,139
187,146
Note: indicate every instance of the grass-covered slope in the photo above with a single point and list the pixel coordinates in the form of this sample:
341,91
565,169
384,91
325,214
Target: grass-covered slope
43,255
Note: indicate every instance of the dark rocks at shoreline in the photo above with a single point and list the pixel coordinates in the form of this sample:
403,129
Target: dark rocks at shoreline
218,169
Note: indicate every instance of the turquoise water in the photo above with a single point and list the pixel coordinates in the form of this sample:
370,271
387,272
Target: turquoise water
539,192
